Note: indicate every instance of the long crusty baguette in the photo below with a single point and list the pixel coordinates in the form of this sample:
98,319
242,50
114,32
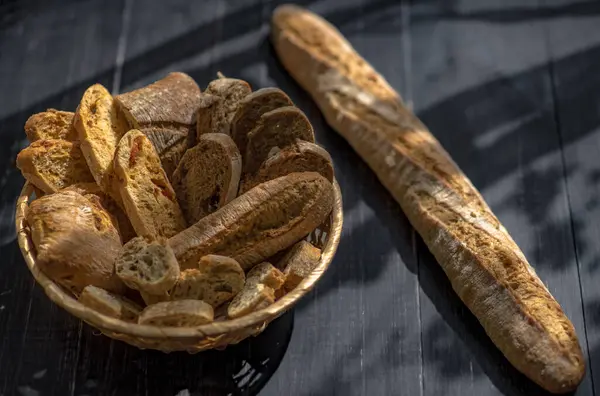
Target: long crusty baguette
485,266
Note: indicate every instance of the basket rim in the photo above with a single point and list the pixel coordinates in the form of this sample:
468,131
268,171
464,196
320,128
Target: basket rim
214,329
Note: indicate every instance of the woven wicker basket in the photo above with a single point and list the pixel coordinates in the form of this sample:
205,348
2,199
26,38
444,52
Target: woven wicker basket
216,335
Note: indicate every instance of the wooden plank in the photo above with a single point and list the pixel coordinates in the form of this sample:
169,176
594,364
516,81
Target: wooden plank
574,46
47,52
482,85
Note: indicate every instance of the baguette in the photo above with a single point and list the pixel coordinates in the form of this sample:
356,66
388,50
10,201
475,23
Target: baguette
485,266
259,223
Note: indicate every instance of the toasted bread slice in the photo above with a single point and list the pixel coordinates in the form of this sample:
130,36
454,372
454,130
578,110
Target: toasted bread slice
93,191
76,241
299,157
276,129
298,263
252,298
251,108
170,145
151,299
216,280
110,304
256,225
217,110
99,126
52,165
51,124
207,176
147,195
148,266
266,274
182,313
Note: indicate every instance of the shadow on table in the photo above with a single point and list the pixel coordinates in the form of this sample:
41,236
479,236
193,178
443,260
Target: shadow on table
115,368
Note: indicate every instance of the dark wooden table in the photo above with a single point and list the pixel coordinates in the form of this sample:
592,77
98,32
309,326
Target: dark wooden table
510,88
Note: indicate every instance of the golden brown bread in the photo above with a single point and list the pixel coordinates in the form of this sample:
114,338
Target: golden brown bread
76,241
52,165
259,291
109,304
269,218
51,124
99,126
298,263
180,313
147,195
485,266
207,176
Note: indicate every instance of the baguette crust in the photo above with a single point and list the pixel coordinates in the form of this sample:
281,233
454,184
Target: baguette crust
52,165
485,266
147,195
259,223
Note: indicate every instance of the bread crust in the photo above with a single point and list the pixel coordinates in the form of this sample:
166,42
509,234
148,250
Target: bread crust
259,223
485,266
147,194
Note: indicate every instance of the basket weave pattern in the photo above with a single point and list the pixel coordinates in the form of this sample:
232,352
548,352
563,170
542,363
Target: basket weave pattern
216,335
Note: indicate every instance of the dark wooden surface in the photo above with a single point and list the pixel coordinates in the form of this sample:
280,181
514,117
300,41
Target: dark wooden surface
511,89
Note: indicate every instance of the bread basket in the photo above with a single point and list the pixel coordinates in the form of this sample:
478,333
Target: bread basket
216,335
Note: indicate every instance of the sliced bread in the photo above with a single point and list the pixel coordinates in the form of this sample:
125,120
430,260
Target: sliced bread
216,280
51,124
182,313
300,157
218,109
52,165
259,223
76,241
207,176
251,108
298,263
147,195
110,304
150,299
93,191
99,126
148,266
276,129
266,274
170,146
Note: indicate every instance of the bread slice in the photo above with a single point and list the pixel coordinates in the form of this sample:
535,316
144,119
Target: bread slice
51,124
170,145
110,304
259,223
485,266
258,292
93,191
221,101
169,103
182,313
76,241
52,165
151,299
251,108
217,280
250,299
276,130
99,127
207,176
299,157
147,195
149,266
298,263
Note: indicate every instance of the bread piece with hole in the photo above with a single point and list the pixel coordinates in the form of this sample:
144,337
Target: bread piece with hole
100,126
93,191
208,176
52,165
251,108
51,124
276,130
76,241
182,313
299,157
109,304
217,109
147,194
216,280
148,266
298,263
265,220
